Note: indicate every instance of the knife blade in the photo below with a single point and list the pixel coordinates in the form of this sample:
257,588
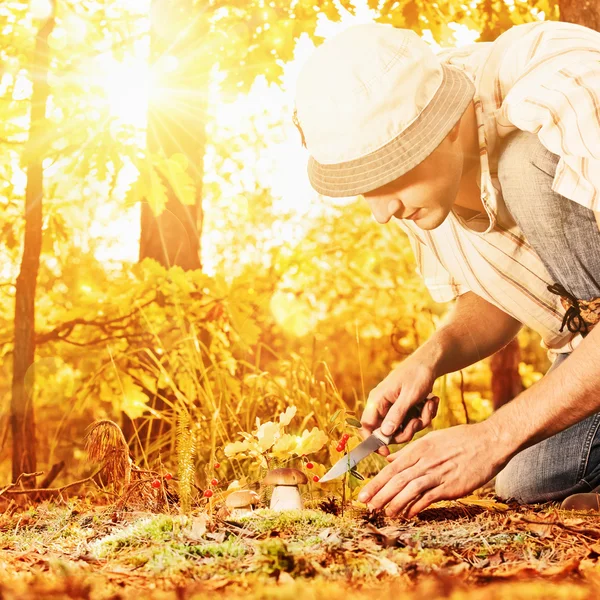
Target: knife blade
375,441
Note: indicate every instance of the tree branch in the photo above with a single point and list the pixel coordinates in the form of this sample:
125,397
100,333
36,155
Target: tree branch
68,326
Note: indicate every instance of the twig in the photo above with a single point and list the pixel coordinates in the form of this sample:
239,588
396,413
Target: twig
9,490
16,483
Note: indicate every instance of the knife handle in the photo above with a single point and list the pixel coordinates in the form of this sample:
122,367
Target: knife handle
414,412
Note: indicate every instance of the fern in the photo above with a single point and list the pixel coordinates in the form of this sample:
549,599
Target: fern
186,450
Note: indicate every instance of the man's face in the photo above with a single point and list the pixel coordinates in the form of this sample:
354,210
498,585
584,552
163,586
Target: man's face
425,194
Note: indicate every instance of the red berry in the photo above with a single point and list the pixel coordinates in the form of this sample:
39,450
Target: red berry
208,493
214,482
345,437
309,465
168,476
155,484
340,447
315,478
217,465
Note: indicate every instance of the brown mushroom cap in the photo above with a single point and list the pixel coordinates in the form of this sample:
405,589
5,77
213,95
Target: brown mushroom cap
285,476
241,498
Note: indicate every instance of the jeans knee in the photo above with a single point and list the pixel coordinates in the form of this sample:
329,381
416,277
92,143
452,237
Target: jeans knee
513,484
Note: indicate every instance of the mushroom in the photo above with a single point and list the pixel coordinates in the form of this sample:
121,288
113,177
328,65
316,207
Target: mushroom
285,494
240,502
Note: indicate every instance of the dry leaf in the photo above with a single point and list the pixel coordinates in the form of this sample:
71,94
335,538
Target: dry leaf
197,528
388,567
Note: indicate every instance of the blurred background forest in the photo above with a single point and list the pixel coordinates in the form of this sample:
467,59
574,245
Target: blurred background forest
163,260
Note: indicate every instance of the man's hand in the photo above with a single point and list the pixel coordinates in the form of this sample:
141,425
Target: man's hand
442,465
389,402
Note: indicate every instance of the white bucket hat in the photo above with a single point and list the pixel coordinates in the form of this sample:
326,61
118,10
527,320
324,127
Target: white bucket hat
373,102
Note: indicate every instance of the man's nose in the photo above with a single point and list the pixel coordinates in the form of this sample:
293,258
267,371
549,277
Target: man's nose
384,209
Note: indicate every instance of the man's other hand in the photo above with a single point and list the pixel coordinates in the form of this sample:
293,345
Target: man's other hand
442,465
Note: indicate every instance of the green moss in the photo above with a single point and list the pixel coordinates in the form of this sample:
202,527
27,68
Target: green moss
231,547
159,528
293,522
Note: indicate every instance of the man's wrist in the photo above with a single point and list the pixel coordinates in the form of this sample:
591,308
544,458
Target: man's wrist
502,437
431,354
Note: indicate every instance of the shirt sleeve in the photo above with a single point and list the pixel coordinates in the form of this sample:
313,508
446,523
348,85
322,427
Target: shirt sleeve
553,79
438,281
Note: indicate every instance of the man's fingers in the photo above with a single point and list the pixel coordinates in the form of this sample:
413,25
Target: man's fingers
404,461
429,411
390,490
412,493
375,410
383,451
397,412
409,431
424,501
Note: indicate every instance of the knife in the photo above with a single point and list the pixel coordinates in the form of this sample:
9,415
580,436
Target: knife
375,441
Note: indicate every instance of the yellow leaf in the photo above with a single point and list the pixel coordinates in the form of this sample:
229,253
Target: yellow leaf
157,194
174,171
237,448
133,402
311,441
267,434
285,445
287,416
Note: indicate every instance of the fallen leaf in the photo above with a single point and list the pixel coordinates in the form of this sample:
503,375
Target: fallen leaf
197,528
388,567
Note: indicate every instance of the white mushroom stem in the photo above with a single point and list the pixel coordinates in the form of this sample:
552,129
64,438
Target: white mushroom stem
286,497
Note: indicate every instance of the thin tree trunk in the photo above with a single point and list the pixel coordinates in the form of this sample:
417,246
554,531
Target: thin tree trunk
506,381
22,412
581,12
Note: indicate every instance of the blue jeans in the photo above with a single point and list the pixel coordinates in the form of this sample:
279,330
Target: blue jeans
566,237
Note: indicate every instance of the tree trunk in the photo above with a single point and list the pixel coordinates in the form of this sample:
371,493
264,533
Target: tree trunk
176,125
22,413
506,381
581,12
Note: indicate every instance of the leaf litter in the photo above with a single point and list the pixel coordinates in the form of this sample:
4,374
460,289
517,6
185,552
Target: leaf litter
459,549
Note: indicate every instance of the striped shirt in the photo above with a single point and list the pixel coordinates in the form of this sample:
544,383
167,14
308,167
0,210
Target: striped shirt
543,78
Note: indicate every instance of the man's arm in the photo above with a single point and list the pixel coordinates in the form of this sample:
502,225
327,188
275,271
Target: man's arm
473,330
567,395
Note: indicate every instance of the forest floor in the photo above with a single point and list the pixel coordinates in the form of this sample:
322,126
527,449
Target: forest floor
471,549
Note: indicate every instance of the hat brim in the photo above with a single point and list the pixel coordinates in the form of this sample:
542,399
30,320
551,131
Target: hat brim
406,150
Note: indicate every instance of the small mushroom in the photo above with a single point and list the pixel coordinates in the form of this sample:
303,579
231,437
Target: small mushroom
240,502
285,494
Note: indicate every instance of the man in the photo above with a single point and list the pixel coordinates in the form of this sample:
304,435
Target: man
488,157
